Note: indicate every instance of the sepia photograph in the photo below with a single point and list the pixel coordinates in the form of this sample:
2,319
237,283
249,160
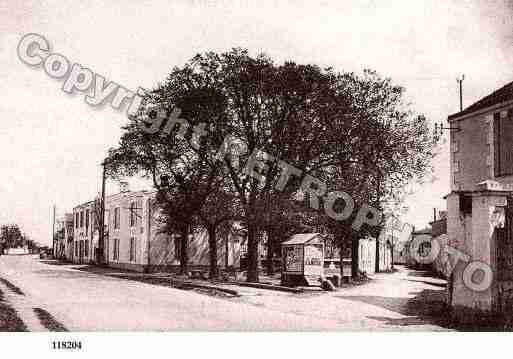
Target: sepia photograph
198,169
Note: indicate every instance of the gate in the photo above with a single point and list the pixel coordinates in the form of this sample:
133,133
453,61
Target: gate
504,261
504,246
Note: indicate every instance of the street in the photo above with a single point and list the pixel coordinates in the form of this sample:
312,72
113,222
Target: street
84,301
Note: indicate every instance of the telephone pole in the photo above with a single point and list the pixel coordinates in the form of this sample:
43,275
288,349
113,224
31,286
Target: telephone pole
54,249
460,82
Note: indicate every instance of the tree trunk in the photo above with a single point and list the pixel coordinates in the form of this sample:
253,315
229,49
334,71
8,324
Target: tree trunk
392,257
183,252
212,250
355,257
376,266
270,252
252,270
341,254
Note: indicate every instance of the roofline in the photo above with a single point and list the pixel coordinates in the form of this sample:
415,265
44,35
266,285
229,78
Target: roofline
477,193
457,117
132,193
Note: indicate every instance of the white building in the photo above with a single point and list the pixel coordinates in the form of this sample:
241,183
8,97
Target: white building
479,220
133,239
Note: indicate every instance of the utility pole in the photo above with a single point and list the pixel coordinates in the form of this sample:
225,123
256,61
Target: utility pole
460,82
101,239
53,233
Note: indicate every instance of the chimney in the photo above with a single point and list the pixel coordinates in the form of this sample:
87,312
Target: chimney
123,186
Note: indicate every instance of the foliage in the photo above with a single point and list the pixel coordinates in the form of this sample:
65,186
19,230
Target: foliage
351,132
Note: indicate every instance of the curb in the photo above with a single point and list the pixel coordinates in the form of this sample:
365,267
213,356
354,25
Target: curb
202,286
178,284
269,286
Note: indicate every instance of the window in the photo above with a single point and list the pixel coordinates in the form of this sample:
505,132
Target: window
138,212
115,254
76,249
81,219
133,214
86,248
116,218
76,220
503,144
178,247
87,220
132,249
456,146
456,166
93,221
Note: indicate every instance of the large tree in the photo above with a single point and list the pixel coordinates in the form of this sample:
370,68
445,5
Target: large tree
280,132
395,150
176,156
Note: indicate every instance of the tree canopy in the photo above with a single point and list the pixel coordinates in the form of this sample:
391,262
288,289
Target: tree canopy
242,130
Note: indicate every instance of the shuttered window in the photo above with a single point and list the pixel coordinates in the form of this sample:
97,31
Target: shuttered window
133,214
87,220
116,218
115,254
132,249
503,144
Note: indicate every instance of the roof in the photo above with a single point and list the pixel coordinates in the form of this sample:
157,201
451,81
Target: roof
426,230
126,194
501,95
302,238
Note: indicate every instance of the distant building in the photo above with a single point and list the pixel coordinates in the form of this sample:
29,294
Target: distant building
63,235
367,254
439,234
133,238
403,237
418,248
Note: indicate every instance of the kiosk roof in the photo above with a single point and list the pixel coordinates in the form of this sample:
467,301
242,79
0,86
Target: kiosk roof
302,238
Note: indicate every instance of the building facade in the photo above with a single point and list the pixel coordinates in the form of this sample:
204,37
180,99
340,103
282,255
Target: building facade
479,204
134,240
418,248
439,235
63,236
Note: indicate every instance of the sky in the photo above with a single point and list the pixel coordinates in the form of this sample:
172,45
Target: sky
52,143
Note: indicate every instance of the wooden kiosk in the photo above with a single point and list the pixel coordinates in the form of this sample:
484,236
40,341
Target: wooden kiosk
303,260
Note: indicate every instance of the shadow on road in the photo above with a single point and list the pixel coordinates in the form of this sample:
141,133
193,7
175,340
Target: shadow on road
54,262
427,307
436,284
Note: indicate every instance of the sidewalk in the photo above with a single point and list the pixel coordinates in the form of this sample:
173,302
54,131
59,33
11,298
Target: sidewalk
220,288
205,286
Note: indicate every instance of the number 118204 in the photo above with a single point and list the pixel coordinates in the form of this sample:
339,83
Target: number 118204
67,345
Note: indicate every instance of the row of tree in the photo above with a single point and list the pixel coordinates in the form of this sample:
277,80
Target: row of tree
11,236
334,131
